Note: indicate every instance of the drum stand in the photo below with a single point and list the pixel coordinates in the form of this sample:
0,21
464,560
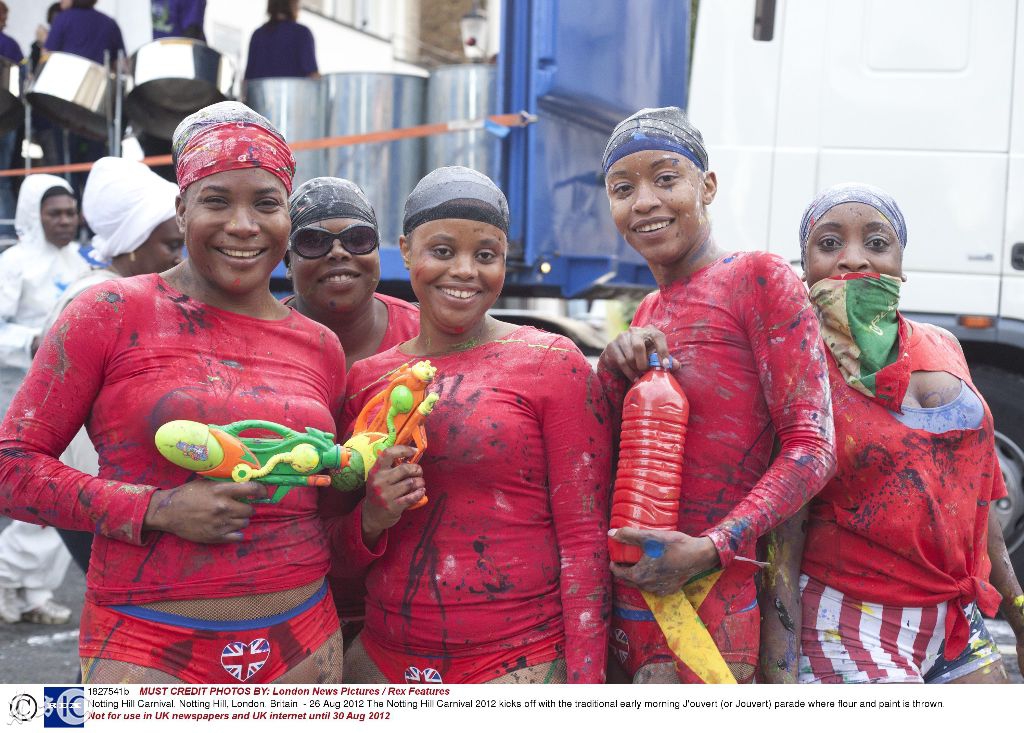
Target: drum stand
115,106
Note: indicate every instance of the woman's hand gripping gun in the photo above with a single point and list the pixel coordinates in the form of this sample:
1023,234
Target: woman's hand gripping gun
221,453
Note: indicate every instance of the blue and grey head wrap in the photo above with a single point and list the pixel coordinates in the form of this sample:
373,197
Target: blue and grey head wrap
851,193
661,128
319,199
455,192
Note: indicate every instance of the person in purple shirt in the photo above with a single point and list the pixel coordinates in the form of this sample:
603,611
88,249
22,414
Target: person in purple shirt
84,31
178,18
9,48
281,47
11,51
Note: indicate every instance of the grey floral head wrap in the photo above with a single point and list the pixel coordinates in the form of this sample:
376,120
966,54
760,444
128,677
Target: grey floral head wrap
851,193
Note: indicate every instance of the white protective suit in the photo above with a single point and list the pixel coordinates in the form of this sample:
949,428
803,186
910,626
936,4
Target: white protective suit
33,275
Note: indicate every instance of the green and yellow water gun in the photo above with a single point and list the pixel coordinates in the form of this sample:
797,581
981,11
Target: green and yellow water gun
293,458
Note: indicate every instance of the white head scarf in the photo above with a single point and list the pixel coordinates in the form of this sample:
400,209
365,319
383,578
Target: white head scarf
28,220
124,201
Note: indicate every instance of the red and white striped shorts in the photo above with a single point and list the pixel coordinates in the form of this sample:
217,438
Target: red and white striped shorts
844,640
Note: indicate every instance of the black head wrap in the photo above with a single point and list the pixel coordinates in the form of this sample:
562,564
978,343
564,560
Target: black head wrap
329,198
455,192
661,128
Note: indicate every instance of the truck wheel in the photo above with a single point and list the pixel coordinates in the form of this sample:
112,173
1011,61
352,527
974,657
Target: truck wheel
1004,392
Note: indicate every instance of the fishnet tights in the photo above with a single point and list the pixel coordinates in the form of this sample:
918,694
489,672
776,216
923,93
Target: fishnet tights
240,608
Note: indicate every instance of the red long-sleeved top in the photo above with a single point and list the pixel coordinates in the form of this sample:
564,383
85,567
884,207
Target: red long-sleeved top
905,519
124,358
511,548
753,367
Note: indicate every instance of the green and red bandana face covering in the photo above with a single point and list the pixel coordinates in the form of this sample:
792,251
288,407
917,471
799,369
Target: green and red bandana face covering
861,326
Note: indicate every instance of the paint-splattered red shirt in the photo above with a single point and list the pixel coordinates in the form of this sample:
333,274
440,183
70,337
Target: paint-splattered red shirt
348,592
403,322
124,358
905,520
511,549
753,368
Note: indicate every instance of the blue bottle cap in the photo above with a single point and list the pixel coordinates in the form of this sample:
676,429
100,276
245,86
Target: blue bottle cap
655,362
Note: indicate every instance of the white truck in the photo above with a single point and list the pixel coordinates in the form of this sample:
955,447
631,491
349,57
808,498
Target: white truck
924,98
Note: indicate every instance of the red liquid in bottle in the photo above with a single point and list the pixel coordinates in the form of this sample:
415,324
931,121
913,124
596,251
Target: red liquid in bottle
649,474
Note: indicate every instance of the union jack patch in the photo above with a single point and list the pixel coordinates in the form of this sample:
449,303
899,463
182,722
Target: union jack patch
426,676
243,660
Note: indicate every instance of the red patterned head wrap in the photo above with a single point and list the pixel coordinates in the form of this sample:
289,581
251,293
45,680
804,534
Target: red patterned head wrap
226,137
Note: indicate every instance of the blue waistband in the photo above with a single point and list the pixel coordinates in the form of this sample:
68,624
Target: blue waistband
633,614
185,622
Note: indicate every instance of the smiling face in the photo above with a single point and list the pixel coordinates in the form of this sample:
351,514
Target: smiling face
338,282
457,269
851,238
236,228
658,201
59,218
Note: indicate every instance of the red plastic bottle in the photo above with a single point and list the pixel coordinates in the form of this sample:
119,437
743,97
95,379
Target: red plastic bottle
649,475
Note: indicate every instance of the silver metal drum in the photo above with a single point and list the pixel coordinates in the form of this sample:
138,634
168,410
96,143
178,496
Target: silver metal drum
298,108
365,102
171,78
12,111
463,92
73,92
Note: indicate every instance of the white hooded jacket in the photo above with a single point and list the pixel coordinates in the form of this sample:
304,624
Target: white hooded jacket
33,274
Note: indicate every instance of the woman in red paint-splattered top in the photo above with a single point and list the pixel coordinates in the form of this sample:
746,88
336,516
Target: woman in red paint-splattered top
502,576
187,580
902,552
333,262
750,361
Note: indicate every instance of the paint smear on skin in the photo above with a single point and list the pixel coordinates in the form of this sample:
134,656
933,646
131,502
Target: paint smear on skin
771,557
784,618
61,364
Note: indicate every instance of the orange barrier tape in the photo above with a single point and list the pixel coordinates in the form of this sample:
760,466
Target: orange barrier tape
512,119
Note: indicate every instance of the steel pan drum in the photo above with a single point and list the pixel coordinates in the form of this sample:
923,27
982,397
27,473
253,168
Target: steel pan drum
298,108
463,92
170,79
360,102
73,92
12,111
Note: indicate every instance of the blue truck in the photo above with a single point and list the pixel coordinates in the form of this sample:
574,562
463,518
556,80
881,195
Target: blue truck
579,66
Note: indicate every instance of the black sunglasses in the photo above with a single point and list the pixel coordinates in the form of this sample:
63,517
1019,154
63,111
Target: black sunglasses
313,242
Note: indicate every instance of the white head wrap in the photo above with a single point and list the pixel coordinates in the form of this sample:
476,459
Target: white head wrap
123,202
28,219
